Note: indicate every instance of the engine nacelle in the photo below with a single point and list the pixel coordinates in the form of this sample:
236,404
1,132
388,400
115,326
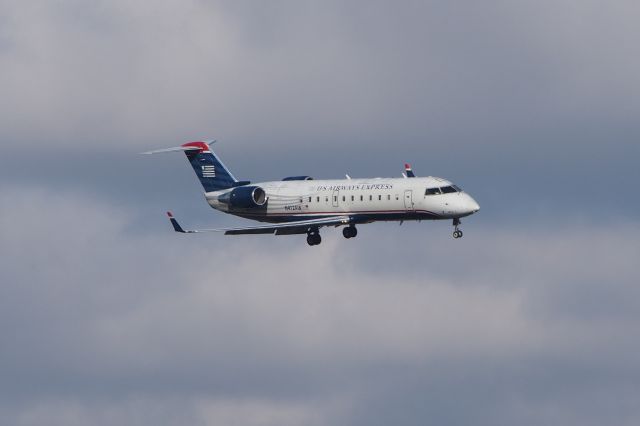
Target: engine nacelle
245,197
298,178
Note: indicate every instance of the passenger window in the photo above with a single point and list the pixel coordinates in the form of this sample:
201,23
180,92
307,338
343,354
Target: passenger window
379,197
326,199
344,198
397,197
335,198
317,199
309,199
370,197
362,198
389,197
352,198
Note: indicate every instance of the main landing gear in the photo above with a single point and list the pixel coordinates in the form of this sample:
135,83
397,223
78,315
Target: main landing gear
314,238
457,233
349,231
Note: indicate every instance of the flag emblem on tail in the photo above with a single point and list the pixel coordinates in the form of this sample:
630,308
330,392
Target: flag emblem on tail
208,171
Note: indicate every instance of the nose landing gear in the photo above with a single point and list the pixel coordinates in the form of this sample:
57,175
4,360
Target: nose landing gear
457,233
349,231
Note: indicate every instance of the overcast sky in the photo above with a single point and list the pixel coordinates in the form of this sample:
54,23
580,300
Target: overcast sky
108,317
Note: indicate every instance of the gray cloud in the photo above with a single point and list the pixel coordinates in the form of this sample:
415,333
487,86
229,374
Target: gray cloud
108,317
127,74
543,93
101,323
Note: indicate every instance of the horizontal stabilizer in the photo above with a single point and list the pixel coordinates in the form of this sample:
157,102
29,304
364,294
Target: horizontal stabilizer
184,148
175,148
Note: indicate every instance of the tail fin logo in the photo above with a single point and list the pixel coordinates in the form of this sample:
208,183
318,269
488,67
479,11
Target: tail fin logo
208,171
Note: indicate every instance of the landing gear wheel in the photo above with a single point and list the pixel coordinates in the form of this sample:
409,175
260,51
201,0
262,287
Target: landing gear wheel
349,231
456,233
314,239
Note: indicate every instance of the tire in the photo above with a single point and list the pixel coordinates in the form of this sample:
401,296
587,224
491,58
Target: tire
349,231
314,239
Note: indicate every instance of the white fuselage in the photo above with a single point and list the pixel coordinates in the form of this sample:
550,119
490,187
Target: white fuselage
365,200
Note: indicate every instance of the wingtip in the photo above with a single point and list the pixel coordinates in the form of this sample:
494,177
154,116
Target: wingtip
170,215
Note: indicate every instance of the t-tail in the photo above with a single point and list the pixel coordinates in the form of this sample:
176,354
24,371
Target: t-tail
212,173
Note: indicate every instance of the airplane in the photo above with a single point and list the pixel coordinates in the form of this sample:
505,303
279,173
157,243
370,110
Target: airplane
302,205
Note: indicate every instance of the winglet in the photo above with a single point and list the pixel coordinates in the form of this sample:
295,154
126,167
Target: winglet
174,222
408,170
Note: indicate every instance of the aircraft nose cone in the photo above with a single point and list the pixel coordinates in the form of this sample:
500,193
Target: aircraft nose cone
472,205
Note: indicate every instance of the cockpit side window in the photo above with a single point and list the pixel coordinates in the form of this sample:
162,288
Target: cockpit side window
432,191
448,189
457,188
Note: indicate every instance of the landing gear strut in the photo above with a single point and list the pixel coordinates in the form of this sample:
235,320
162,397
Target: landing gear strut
457,233
313,238
349,231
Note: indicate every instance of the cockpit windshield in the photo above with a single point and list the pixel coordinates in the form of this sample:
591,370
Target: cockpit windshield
432,191
444,190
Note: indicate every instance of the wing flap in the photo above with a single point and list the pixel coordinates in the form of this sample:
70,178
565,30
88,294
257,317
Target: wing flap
249,231
293,230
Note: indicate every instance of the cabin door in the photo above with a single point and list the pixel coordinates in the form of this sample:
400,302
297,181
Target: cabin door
408,200
336,194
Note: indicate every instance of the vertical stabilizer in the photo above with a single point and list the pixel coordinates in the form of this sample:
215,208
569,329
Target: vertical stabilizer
211,172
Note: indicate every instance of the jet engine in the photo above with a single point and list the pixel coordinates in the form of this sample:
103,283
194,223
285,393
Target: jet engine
245,197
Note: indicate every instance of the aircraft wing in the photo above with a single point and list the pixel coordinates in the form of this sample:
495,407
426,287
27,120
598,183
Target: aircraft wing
286,228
